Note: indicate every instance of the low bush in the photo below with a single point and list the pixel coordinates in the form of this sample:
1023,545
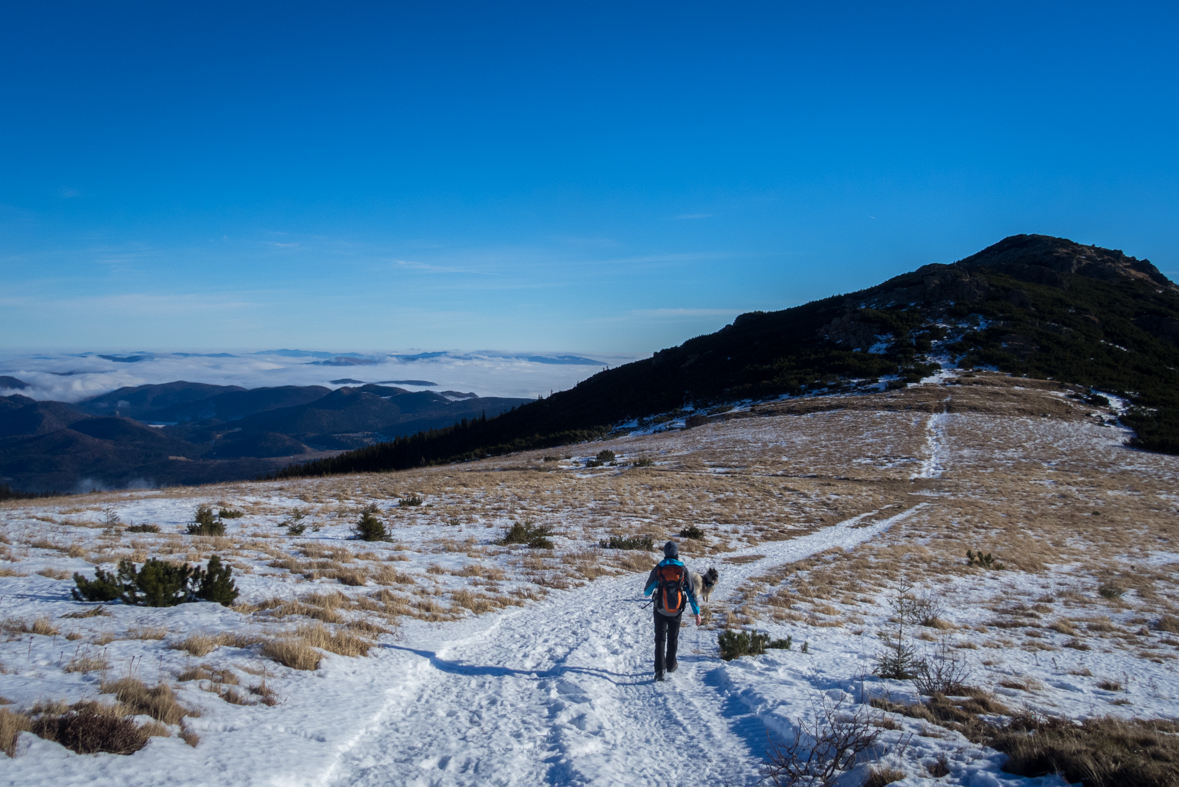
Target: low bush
229,513
629,542
1110,591
216,583
534,536
205,523
692,532
695,420
412,500
104,587
91,729
819,752
983,560
159,584
735,644
369,528
643,461
156,584
143,529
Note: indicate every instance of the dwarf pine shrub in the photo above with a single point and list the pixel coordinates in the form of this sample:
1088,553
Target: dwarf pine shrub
692,532
229,513
412,500
629,542
205,523
984,560
735,644
216,583
143,529
534,536
369,528
643,461
104,587
157,584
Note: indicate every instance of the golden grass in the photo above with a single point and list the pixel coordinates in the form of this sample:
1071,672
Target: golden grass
12,725
54,573
292,653
201,644
87,663
319,636
158,701
146,632
42,626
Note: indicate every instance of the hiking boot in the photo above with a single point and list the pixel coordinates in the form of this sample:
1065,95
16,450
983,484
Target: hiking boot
659,676
673,667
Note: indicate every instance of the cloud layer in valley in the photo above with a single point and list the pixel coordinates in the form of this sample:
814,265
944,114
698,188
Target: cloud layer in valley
71,377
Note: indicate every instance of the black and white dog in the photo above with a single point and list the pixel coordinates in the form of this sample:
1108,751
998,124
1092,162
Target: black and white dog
702,584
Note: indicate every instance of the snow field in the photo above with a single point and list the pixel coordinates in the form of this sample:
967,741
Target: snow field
815,505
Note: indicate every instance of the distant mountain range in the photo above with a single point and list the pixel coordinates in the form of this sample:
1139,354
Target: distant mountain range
187,433
1029,305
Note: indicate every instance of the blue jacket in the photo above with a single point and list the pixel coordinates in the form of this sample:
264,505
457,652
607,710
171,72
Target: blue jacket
653,582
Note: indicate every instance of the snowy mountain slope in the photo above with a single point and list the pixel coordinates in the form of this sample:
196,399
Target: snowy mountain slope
812,517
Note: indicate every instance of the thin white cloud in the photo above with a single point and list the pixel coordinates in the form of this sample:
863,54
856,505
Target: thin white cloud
675,313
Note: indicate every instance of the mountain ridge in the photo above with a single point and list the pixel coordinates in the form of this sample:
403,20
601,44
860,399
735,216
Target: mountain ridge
1028,305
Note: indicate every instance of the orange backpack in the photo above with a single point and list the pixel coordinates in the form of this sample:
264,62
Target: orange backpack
670,597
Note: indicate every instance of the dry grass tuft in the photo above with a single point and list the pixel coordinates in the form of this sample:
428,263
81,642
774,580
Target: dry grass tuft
54,573
87,663
158,701
339,642
11,726
147,632
42,625
292,653
93,612
203,644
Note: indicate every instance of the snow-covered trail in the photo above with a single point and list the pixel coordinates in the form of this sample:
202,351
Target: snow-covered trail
562,693
935,439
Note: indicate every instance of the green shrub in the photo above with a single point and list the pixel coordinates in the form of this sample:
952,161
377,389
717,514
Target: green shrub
205,524
143,529
216,583
693,421
369,528
692,532
1110,591
229,513
983,560
784,644
104,587
157,584
535,536
412,500
160,584
643,461
735,644
605,456
630,542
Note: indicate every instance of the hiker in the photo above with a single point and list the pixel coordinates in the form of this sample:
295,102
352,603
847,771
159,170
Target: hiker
673,592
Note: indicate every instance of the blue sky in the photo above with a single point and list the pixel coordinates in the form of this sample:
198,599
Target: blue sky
550,176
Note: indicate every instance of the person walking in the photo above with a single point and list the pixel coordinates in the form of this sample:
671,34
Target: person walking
673,593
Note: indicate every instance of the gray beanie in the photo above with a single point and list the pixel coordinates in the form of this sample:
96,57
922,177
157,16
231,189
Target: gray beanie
671,550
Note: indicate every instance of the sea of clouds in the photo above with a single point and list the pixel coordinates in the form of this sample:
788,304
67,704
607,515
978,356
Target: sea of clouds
72,377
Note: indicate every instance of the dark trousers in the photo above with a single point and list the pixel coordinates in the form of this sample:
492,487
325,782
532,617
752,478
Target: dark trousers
667,640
